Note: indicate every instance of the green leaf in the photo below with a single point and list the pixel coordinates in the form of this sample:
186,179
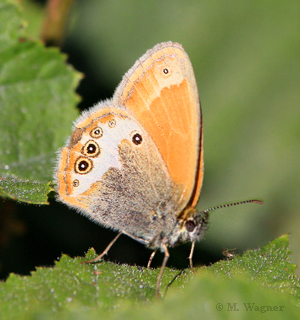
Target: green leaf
37,102
24,190
269,266
72,289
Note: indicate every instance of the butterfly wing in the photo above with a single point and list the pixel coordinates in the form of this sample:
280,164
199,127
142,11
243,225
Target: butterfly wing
111,171
107,175
160,90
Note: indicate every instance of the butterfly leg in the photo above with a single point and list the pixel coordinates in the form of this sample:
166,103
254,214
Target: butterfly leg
167,255
191,256
150,259
105,251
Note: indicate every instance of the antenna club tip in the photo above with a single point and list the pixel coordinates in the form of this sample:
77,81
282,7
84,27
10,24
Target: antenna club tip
258,201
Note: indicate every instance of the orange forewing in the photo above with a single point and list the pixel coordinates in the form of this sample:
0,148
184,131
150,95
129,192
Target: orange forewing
167,105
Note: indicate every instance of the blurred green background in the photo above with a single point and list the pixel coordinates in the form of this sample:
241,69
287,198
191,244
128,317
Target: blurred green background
246,57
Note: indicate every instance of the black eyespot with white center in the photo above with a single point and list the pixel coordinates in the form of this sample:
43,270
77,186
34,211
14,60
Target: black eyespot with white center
83,165
76,183
190,225
96,133
91,149
137,139
165,70
112,123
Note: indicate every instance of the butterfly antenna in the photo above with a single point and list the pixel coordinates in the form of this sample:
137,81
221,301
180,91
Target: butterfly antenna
233,204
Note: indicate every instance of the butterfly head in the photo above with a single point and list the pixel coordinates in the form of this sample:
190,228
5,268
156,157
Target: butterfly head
190,227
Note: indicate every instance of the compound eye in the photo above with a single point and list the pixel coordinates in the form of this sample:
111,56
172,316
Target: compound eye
190,225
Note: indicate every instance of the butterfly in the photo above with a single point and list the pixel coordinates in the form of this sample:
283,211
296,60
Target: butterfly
134,163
